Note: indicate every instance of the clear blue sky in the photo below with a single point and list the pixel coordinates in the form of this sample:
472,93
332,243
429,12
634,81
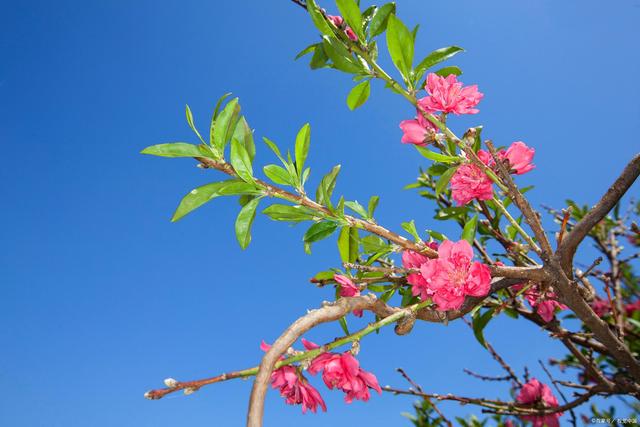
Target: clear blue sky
102,297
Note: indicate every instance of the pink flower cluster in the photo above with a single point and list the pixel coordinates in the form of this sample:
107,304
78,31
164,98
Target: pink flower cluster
338,21
348,289
294,387
544,304
343,371
450,278
445,95
469,182
539,395
602,307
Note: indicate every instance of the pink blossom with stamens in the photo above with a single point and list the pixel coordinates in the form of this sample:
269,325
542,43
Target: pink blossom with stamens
470,182
539,395
520,157
448,95
453,276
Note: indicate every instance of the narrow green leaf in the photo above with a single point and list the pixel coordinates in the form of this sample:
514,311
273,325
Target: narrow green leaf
272,145
225,124
303,140
444,180
244,221
241,161
341,57
343,325
214,117
380,18
436,157
410,227
201,195
480,322
278,174
176,149
372,243
192,124
328,183
244,134
319,58
373,204
319,231
400,45
348,243
318,19
437,56
278,212
306,50
351,13
359,95
469,230
357,208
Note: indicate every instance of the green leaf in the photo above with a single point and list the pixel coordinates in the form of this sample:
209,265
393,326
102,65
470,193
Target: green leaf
373,243
244,221
357,208
343,325
241,161
444,180
272,145
373,204
319,58
192,124
410,227
214,117
340,56
446,71
380,18
225,124
328,183
278,212
351,13
176,149
318,19
319,231
437,56
306,50
303,139
348,242
480,322
278,174
359,95
469,231
244,134
436,157
201,195
400,45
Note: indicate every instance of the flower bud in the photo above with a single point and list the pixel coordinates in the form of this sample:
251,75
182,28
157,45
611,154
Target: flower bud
171,383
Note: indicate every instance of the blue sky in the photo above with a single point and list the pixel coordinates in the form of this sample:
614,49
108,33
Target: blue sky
103,297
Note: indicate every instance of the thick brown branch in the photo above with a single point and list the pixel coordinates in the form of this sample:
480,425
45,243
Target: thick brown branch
569,245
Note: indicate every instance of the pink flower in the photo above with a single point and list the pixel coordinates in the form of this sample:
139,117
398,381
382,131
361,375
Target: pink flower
446,94
413,259
342,371
470,182
417,130
600,306
545,305
294,387
451,277
338,21
519,157
348,289
351,34
539,395
631,308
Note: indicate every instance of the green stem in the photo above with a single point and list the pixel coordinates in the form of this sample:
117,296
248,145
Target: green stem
517,226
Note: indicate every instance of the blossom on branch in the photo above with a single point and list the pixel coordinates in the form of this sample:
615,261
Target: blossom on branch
470,182
545,304
539,395
417,131
518,156
448,95
451,277
294,387
348,289
338,21
342,371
